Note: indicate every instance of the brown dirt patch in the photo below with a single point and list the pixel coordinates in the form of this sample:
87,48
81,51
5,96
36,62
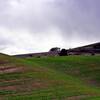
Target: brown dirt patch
37,85
16,80
90,81
8,69
10,88
77,97
45,84
93,82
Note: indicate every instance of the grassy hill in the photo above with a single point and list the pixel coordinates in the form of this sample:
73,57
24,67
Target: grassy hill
52,78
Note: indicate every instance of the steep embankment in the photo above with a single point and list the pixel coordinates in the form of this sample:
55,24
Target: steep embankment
59,78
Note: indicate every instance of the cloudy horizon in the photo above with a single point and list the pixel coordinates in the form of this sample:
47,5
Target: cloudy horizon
38,25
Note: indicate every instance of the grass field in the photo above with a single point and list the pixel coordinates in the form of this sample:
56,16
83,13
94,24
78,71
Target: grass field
52,78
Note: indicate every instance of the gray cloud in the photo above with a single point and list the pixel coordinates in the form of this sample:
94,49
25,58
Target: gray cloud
65,23
5,42
78,17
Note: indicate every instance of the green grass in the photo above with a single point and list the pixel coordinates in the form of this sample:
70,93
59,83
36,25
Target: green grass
52,78
80,66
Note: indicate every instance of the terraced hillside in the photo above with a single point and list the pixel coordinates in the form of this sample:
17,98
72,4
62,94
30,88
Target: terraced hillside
53,78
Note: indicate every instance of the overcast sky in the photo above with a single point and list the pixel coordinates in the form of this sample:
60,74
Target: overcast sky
38,25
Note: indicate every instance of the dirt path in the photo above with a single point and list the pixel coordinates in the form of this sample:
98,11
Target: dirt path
7,69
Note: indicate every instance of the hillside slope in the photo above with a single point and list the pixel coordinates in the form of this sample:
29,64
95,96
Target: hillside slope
59,78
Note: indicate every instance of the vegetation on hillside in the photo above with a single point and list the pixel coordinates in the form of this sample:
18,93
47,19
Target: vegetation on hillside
52,78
